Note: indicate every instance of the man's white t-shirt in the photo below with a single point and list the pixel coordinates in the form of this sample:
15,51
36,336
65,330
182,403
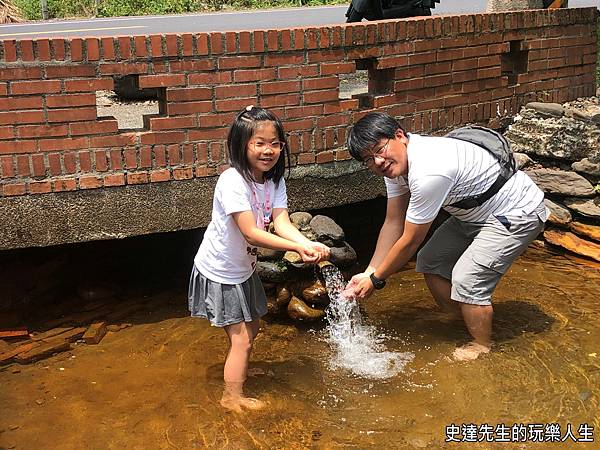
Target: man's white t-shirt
442,171
224,255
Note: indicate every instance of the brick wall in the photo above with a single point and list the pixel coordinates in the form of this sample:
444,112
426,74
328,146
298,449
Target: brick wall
432,72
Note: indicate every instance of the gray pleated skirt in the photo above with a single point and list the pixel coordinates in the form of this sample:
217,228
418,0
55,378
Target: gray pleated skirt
226,304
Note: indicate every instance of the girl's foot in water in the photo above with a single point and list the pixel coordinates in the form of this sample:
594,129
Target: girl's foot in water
236,404
470,351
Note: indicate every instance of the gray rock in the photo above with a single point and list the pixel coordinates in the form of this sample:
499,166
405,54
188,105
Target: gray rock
271,272
523,160
300,219
327,231
559,215
589,207
587,166
547,109
554,181
561,138
343,256
267,254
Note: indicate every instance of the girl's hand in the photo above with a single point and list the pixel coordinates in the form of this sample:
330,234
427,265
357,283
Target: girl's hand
308,253
321,249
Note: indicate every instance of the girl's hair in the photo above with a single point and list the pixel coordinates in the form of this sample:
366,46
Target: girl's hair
241,132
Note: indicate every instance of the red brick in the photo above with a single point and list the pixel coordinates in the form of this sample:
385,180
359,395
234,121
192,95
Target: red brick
40,187
101,161
183,173
114,179
189,94
216,43
49,145
118,140
42,131
254,75
90,182
152,81
202,44
284,59
244,37
124,47
70,100
26,47
23,169
35,87
279,87
171,123
185,108
306,158
209,78
3,89
155,46
71,115
157,176
258,41
145,157
123,68
58,49
108,48
208,134
76,49
7,147
13,189
7,132
85,161
93,49
130,157
38,164
66,184
70,162
18,103
235,90
238,62
235,104
141,49
70,71
230,42
320,96
337,68
137,178
174,153
43,49
270,101
303,111
187,44
166,137
94,127
89,85
194,65
298,72
320,83
54,164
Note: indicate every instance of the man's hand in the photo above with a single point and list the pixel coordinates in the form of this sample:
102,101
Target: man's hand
360,287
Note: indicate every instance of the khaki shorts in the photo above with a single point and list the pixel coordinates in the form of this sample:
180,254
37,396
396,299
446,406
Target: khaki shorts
474,256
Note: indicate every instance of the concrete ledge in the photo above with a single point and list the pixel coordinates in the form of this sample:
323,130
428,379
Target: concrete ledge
119,212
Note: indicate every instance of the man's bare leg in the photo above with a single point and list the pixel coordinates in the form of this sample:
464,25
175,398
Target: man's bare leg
440,289
478,319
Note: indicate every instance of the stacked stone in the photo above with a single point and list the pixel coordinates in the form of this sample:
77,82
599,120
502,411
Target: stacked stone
558,146
293,289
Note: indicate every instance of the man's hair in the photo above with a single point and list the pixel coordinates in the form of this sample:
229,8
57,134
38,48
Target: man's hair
369,130
241,133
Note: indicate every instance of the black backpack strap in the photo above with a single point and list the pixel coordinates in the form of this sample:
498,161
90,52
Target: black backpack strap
478,200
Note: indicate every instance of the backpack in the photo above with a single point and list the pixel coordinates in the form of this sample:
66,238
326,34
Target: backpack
497,145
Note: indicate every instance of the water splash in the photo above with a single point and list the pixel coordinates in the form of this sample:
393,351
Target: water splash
359,347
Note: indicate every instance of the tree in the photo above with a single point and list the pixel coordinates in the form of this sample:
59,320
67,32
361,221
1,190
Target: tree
9,12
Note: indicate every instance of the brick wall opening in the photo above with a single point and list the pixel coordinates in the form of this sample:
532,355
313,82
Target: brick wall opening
129,104
352,84
514,62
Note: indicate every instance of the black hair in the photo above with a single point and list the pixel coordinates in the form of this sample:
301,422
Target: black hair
369,130
241,132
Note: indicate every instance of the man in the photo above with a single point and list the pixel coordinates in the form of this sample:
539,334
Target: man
467,255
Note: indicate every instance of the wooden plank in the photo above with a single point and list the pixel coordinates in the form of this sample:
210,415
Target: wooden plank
70,336
95,333
6,357
42,351
50,333
14,332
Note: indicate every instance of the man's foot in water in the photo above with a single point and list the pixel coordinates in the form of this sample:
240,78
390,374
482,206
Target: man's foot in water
236,404
470,351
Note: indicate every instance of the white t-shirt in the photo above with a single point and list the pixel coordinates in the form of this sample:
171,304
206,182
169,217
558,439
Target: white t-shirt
442,171
224,255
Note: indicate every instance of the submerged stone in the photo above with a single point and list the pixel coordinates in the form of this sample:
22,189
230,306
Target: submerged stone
573,243
298,310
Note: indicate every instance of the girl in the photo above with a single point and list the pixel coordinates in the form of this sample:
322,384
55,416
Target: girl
224,288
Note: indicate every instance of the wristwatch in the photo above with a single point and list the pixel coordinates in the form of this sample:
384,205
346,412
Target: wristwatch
377,283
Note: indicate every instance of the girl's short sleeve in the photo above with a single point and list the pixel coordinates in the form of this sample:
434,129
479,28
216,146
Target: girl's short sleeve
232,192
280,197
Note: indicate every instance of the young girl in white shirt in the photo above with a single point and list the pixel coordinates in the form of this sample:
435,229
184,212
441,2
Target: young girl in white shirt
224,287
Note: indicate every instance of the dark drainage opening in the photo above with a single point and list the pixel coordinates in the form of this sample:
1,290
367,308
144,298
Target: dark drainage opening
514,62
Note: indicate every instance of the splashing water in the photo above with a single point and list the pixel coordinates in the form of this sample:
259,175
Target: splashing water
359,348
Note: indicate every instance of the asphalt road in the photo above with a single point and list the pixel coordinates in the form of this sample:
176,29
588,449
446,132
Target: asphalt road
227,21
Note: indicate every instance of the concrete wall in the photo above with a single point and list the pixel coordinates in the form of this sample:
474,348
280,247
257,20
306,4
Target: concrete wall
67,176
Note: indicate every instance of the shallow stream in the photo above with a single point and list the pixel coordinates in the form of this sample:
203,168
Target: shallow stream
156,384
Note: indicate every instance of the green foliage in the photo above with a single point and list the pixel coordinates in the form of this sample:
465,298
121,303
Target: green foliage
112,8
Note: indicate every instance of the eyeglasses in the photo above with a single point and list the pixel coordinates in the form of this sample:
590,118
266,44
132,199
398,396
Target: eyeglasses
275,145
379,153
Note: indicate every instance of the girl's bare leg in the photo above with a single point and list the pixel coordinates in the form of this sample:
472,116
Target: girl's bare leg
241,337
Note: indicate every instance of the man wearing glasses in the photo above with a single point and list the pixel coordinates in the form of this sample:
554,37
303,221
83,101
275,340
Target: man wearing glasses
467,255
